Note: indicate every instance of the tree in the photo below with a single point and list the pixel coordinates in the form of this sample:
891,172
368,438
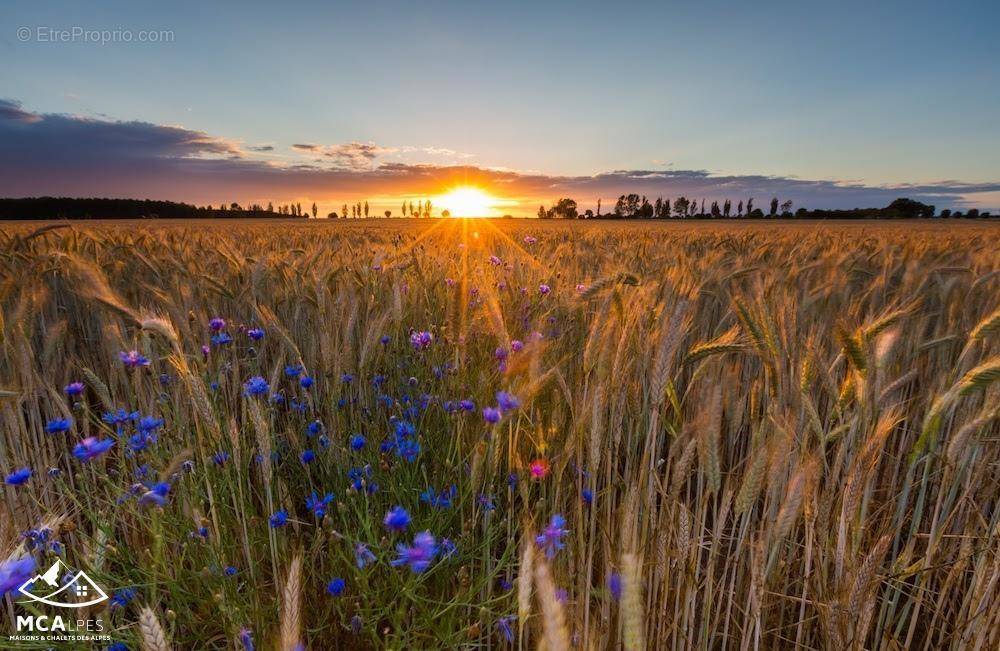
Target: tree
446,213
314,210
270,208
786,206
716,213
739,209
404,209
366,210
727,207
427,208
774,206
564,209
541,213
909,209
598,207
681,205
331,215
749,206
388,214
343,210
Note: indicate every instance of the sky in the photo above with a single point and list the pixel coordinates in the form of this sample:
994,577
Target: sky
831,105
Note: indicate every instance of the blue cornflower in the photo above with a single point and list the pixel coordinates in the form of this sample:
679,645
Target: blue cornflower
246,639
139,442
421,340
256,386
504,628
466,405
362,555
335,587
384,339
230,571
587,495
73,389
507,401
91,448
550,539
157,494
408,449
221,339
357,442
318,504
491,415
615,585
448,547
256,334
419,555
307,456
347,378
58,425
306,381
220,458
278,519
148,424
486,502
122,598
440,500
294,370
18,477
397,519
133,359
216,324
314,428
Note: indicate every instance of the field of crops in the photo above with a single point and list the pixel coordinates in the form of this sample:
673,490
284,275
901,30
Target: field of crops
489,434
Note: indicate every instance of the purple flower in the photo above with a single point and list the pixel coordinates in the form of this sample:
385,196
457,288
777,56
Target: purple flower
58,425
362,555
384,340
132,359
550,539
18,477
256,386
528,239
306,381
220,458
419,555
294,370
157,494
278,519
256,334
507,401
544,289
397,519
491,415
217,324
335,587
421,340
246,639
503,627
466,405
615,585
14,572
516,345
318,504
91,448
73,389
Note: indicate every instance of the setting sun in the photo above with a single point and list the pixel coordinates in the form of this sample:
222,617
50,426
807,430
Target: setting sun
468,202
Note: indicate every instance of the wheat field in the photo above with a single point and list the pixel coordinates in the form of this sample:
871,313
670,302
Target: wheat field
666,436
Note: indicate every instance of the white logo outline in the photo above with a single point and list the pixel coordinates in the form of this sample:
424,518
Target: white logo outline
49,578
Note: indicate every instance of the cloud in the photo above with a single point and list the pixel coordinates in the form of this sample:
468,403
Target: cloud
57,154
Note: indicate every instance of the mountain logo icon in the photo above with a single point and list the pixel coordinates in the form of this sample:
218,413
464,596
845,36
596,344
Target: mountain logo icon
78,591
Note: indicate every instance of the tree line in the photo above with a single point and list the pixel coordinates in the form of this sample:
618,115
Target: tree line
634,206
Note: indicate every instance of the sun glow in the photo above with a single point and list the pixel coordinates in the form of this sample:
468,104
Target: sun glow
468,202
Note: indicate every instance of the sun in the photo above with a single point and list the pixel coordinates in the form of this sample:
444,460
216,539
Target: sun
468,201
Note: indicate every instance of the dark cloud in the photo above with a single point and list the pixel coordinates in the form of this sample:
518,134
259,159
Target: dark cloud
262,148
55,154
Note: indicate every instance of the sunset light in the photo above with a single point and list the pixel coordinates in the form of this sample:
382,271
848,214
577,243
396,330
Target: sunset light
468,202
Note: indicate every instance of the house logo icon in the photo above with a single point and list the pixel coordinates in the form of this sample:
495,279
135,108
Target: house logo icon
78,591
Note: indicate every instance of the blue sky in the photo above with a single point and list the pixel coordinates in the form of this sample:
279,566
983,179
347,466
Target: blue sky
872,93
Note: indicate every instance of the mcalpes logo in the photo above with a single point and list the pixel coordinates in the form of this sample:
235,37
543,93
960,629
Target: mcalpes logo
78,591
